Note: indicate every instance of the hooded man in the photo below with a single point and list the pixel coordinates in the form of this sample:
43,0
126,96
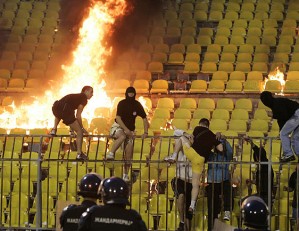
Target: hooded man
287,114
123,128
262,175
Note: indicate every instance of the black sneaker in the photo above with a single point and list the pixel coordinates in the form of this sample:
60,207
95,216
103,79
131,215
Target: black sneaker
82,156
181,227
285,159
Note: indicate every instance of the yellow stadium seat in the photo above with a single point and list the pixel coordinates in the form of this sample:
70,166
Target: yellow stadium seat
214,49
178,47
259,125
215,16
239,114
206,31
225,103
3,84
220,114
198,86
180,123
191,68
188,103
244,103
252,86
218,125
163,47
166,103
211,57
291,86
163,113
216,86
247,15
192,57
231,15
253,40
230,48
209,67
243,66
226,66
187,40
159,86
182,113
221,40
200,113
237,75
220,75
239,126
194,48
273,86
206,103
204,40
246,48
146,75
234,86
176,58
223,31
155,67
16,84
262,114
141,86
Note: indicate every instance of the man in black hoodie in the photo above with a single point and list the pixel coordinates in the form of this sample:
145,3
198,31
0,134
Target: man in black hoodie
123,128
287,114
262,176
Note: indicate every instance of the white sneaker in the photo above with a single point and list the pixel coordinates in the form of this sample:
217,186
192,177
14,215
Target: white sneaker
226,216
126,178
110,156
171,158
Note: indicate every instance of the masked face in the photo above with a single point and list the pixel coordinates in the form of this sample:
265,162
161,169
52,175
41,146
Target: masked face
130,93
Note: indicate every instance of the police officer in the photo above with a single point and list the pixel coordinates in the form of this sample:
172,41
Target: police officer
88,189
254,214
113,215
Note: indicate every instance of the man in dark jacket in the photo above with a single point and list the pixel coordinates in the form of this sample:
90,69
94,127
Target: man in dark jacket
287,114
113,215
261,176
88,189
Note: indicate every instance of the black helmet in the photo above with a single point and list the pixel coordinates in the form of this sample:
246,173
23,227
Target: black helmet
89,185
114,190
255,212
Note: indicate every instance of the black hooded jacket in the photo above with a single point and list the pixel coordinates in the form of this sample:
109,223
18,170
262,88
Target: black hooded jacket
129,108
282,108
262,179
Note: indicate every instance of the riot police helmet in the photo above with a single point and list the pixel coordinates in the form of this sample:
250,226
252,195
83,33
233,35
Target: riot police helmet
89,185
114,190
255,212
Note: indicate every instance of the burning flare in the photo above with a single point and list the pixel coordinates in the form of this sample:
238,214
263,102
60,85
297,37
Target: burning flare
276,75
87,68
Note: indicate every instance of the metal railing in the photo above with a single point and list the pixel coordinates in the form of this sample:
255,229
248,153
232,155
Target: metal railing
38,173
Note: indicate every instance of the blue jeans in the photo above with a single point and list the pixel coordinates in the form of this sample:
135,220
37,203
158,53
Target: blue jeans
290,127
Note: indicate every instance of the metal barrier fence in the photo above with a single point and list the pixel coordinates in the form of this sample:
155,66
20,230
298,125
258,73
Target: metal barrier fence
40,173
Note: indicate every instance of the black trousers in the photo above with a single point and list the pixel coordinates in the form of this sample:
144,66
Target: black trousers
216,200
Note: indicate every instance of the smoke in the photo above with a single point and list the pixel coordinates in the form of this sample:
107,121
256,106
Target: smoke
135,23
72,12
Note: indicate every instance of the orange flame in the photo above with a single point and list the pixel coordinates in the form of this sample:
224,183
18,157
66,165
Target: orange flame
87,68
276,75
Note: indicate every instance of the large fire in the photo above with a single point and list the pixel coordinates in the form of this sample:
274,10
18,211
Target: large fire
87,68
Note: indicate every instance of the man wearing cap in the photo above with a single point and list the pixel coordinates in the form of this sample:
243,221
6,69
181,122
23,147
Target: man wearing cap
123,128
